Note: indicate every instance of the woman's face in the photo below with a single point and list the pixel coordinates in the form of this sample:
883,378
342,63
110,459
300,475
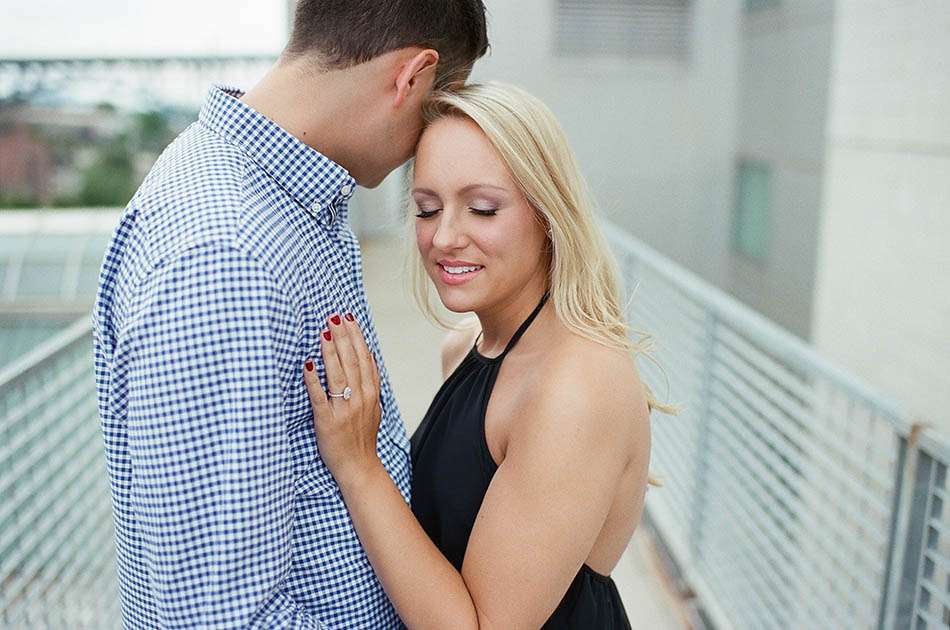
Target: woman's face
480,240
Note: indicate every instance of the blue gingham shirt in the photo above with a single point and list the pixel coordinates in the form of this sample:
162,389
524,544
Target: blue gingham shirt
214,291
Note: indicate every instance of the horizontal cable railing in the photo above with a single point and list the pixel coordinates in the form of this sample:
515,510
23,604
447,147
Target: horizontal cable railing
794,496
57,555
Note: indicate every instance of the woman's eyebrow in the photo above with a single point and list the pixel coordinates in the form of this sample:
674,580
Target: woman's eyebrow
464,189
471,187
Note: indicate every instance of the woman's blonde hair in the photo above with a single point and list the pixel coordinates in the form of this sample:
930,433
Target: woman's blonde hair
583,277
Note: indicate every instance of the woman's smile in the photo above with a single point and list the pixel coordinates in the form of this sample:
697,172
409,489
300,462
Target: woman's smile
455,273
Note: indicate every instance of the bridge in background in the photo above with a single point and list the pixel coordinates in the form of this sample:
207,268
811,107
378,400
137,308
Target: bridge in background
169,79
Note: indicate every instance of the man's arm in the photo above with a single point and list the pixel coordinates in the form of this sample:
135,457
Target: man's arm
212,478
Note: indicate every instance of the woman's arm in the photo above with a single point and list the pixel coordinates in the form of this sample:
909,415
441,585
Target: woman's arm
540,518
424,587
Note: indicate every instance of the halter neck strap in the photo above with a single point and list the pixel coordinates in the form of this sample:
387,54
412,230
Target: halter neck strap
518,333
524,326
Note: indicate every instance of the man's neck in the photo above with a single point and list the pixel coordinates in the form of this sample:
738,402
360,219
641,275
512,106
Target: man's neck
321,109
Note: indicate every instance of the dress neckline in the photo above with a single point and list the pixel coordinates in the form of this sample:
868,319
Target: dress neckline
514,338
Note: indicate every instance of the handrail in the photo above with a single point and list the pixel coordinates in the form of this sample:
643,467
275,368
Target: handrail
775,428
766,333
23,366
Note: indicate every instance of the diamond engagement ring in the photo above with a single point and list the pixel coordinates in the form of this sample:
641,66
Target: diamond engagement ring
346,394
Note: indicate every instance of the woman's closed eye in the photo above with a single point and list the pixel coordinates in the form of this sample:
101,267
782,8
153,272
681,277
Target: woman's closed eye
483,212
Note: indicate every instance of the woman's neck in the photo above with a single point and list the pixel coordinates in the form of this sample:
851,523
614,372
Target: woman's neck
501,321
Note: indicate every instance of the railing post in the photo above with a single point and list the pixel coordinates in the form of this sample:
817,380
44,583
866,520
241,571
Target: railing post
704,409
907,529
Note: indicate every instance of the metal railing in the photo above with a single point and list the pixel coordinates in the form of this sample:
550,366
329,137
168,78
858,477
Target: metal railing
57,552
50,259
794,496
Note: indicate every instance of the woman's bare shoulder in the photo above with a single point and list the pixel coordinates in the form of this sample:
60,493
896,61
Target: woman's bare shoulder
591,387
456,344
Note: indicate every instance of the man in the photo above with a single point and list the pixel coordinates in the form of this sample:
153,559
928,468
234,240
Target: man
221,276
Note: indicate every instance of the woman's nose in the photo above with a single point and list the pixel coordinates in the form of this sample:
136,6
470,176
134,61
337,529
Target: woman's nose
449,234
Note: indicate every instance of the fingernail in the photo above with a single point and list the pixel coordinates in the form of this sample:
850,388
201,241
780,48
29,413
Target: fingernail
336,320
350,318
327,335
309,365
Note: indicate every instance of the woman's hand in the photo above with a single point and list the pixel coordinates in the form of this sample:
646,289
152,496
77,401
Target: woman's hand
347,417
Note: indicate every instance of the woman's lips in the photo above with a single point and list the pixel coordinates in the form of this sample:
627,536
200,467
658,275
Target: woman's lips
456,279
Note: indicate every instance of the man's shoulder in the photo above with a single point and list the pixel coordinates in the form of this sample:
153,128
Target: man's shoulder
197,159
194,195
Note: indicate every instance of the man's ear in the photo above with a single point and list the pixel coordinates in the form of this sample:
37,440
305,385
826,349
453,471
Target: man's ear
416,73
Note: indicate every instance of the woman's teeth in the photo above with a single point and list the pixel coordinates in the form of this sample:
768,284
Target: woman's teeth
458,270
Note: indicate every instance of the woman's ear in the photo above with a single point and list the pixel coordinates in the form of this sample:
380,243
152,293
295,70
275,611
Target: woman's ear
416,76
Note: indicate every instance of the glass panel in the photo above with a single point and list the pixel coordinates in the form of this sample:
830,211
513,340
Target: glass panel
41,279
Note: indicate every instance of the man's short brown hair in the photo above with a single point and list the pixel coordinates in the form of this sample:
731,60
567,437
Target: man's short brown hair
345,33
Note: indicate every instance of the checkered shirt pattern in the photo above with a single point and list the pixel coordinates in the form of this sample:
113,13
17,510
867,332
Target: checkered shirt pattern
214,290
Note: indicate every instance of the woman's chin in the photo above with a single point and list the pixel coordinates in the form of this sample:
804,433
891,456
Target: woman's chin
457,301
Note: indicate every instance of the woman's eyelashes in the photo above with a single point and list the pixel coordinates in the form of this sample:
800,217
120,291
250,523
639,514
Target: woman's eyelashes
482,212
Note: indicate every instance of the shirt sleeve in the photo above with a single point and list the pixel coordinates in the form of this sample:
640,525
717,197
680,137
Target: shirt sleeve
212,480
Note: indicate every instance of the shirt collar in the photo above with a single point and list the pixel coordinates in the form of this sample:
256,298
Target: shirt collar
312,179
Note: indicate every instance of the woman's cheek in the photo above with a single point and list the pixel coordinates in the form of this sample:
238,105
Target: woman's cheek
423,238
499,240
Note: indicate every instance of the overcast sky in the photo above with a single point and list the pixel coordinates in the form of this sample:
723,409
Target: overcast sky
47,28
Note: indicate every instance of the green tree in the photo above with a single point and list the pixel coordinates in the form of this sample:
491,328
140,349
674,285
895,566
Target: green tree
153,131
111,179
10,202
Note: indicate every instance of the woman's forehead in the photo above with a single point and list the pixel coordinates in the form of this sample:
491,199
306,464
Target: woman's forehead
454,149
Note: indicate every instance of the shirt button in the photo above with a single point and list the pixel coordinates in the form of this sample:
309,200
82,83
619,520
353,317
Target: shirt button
347,189
315,209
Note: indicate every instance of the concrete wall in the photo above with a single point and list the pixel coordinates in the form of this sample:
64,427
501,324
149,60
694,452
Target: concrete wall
784,76
655,138
659,139
882,306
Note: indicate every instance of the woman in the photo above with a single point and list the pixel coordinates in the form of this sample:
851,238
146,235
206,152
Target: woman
531,464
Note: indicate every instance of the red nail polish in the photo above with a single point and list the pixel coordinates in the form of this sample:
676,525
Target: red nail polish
327,335
309,365
350,318
336,320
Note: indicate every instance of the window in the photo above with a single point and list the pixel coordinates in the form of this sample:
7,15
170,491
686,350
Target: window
623,28
750,223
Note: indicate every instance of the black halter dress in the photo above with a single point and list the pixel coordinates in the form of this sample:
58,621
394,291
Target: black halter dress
452,468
